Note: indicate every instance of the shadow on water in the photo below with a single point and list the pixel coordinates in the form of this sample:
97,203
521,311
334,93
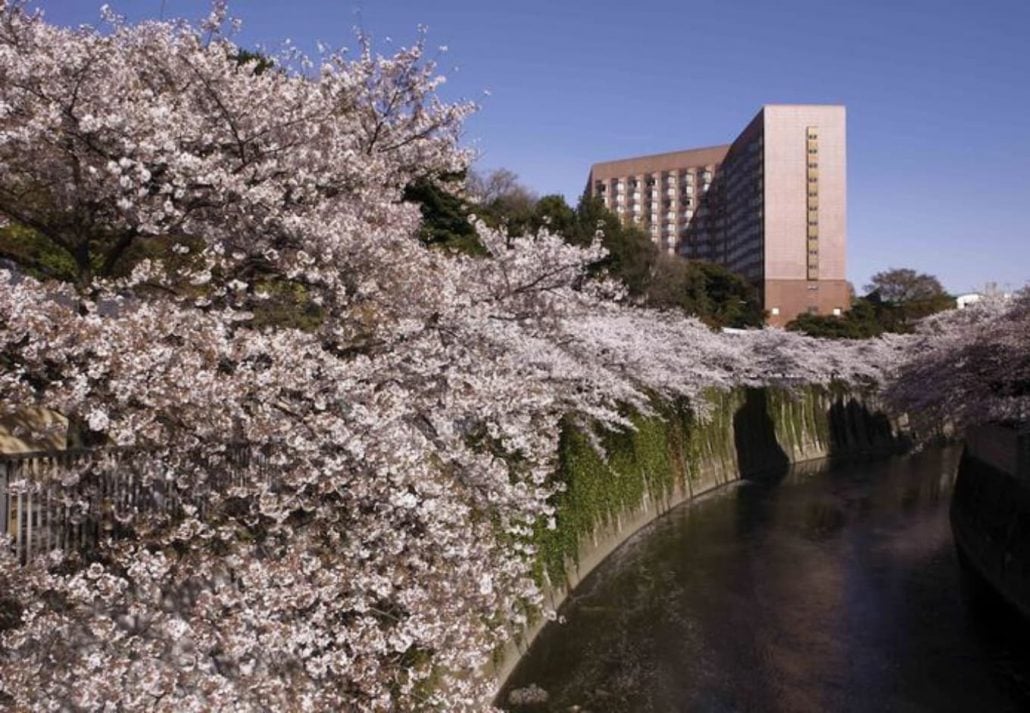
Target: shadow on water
830,593
998,629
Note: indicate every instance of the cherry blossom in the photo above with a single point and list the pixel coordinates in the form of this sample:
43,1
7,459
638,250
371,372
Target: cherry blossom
968,367
332,514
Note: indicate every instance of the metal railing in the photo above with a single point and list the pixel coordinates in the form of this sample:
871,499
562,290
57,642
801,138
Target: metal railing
71,500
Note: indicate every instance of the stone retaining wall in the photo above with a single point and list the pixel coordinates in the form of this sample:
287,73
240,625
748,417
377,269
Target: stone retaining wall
673,457
990,510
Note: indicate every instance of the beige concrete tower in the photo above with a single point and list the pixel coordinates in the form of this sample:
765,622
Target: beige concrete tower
771,206
805,203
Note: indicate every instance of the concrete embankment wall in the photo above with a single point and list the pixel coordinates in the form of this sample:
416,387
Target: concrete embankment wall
673,456
990,510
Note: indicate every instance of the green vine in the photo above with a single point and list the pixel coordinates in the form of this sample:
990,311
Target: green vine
671,448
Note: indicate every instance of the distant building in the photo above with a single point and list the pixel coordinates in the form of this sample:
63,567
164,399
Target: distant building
990,290
771,206
969,298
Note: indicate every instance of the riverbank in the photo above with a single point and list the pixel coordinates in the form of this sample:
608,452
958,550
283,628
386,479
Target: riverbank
834,588
673,457
990,514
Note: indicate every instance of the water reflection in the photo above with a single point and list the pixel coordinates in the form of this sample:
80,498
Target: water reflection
833,590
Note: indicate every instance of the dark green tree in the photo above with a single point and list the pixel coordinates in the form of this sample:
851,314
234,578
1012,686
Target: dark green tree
631,254
501,201
261,63
913,295
677,284
901,285
869,316
554,214
712,293
445,222
705,290
865,319
733,300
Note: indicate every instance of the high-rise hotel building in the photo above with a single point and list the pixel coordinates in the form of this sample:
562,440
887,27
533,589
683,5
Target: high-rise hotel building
771,206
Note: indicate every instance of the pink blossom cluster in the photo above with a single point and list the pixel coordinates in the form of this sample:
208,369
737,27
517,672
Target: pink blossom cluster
968,367
379,549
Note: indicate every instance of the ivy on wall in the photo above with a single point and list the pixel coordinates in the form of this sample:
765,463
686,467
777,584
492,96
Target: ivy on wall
672,450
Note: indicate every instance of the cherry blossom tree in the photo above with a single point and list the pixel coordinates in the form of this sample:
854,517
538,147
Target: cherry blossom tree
968,367
329,515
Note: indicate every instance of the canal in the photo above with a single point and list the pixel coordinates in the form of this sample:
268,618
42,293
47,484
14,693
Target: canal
832,588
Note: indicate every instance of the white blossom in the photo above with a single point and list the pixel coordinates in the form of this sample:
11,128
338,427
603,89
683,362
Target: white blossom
360,558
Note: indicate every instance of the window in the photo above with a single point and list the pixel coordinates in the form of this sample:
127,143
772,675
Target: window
812,141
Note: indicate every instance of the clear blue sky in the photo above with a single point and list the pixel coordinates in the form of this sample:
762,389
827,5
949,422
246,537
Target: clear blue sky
937,91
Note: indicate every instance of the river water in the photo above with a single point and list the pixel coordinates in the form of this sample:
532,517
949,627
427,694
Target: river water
834,588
